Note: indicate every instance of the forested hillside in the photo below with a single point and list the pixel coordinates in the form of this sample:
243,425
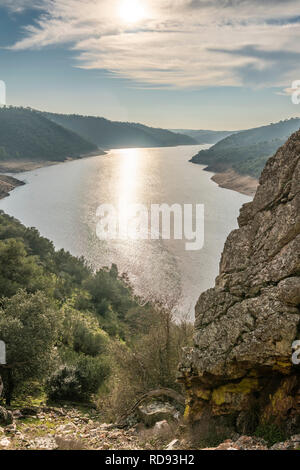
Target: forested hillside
27,135
203,136
248,151
112,134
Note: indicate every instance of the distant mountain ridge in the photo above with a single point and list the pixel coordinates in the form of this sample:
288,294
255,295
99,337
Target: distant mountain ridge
205,136
113,134
27,135
247,152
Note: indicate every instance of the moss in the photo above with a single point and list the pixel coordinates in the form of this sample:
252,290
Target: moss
246,386
280,402
187,413
204,394
282,366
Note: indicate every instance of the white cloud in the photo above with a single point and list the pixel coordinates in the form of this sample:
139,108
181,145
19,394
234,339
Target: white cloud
181,43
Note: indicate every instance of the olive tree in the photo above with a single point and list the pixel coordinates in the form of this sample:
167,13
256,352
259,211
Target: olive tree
28,325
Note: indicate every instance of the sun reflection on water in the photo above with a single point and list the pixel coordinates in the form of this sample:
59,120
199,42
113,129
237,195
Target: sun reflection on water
128,181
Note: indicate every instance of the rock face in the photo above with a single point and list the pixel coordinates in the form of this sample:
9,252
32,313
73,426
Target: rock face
241,363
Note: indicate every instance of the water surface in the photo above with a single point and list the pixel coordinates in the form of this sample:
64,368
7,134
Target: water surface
61,201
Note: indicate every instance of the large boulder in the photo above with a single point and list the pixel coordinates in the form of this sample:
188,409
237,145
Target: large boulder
241,362
153,412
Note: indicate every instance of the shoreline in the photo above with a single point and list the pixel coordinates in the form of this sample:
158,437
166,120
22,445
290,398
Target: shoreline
20,166
230,179
8,184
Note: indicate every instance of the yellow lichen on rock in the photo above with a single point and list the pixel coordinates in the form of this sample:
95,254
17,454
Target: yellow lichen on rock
223,394
280,402
204,394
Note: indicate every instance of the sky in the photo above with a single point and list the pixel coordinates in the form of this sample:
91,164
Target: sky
186,64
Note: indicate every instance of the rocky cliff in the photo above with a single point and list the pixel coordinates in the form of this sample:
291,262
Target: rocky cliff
240,366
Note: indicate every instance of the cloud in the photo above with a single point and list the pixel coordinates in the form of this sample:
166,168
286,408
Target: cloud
178,43
18,6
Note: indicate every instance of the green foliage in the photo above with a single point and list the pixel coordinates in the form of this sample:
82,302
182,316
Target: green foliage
28,135
81,332
29,326
18,270
79,381
248,151
106,285
271,433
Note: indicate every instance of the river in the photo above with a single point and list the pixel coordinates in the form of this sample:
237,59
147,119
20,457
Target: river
61,202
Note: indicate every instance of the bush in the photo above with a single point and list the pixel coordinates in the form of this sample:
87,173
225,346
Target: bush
148,361
77,382
271,433
64,384
28,325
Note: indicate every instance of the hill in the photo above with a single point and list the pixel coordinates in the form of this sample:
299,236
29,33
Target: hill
203,136
113,134
247,152
28,136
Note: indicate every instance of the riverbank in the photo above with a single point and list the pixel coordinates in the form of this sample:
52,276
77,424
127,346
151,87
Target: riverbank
230,179
19,166
7,184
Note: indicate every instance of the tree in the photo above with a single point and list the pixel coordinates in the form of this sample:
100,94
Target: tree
17,269
28,325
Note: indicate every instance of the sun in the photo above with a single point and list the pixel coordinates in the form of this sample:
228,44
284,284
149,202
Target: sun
132,11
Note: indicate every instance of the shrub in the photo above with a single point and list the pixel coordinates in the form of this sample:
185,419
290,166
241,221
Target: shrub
64,384
28,325
79,381
271,433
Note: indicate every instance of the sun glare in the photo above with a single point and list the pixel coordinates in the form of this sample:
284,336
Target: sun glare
132,11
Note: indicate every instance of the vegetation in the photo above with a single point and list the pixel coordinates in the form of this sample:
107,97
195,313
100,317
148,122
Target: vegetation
28,135
147,361
204,137
271,433
247,151
74,334
112,134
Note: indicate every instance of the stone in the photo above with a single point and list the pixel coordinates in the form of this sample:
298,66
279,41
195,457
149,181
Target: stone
6,417
173,445
246,324
162,427
154,411
5,443
11,428
43,443
292,444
